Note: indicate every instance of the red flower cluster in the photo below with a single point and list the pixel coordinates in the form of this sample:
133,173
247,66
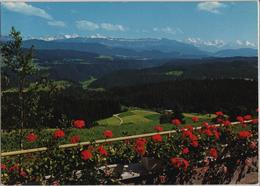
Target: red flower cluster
176,122
244,134
85,155
157,138
185,150
158,128
3,166
254,121
179,163
219,113
189,127
13,168
31,137
213,152
194,139
195,119
102,151
108,134
190,135
219,120
194,143
210,130
58,134
247,117
75,139
140,146
79,124
23,173
253,145
226,123
240,119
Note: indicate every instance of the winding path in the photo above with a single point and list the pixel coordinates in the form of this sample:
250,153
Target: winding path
120,119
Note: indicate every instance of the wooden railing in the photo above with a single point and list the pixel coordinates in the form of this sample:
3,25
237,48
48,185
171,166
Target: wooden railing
27,151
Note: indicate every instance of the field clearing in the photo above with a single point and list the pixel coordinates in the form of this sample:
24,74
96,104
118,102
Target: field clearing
135,121
201,116
131,117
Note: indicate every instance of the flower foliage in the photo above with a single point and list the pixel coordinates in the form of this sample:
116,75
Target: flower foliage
217,148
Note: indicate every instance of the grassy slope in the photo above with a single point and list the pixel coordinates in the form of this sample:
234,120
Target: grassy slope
136,121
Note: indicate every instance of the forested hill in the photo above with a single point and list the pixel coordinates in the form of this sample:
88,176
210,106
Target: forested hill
192,95
228,68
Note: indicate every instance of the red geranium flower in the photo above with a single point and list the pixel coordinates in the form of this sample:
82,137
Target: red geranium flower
58,134
254,121
206,125
176,122
85,154
179,163
243,125
56,183
217,134
194,143
208,132
193,137
75,139
189,127
219,120
253,145
140,146
226,123
23,173
3,166
213,152
13,167
219,113
79,124
195,119
31,137
158,128
188,133
140,150
185,150
240,119
244,134
157,138
247,117
102,151
140,141
108,134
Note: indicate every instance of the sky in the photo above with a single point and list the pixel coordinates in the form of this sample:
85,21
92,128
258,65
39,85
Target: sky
212,22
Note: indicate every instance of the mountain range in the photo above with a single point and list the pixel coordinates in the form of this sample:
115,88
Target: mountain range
145,48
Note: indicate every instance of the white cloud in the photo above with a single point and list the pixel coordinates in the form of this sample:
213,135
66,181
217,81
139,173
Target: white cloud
249,44
200,42
212,7
111,27
168,30
98,36
86,25
239,42
245,43
27,9
219,43
56,23
69,36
